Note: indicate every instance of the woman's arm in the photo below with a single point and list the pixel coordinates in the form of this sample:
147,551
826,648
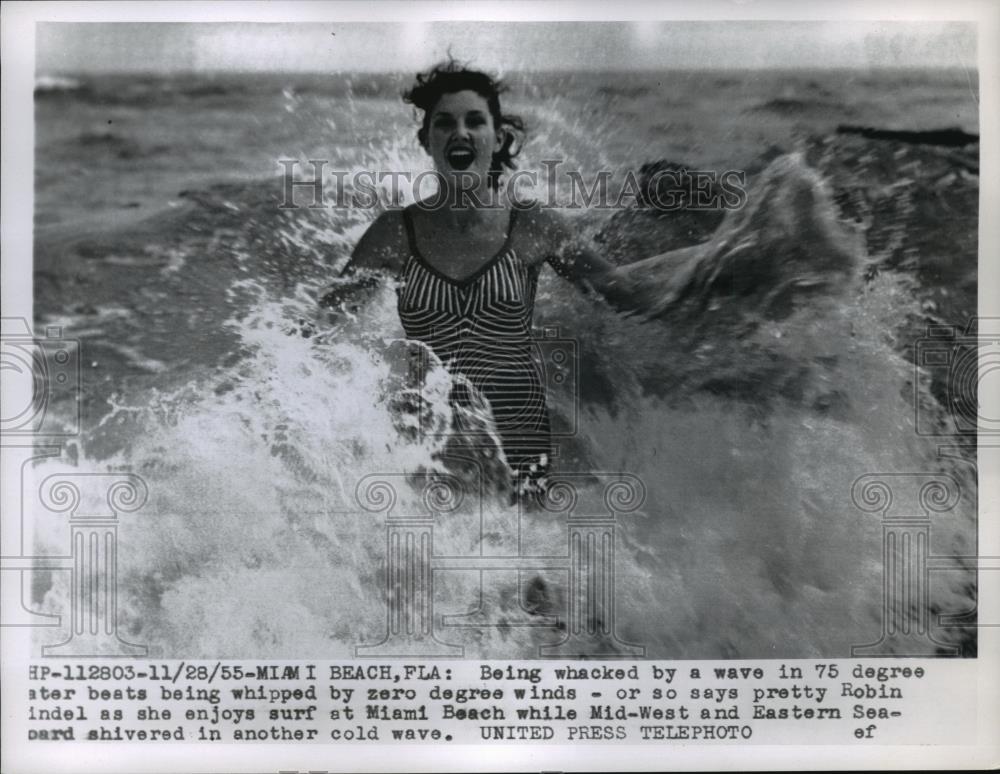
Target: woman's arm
786,242
378,253
643,287
382,247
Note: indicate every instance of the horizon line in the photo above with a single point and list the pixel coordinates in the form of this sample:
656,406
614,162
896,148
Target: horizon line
542,70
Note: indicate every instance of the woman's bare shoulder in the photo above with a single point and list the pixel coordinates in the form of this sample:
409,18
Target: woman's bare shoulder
383,245
541,229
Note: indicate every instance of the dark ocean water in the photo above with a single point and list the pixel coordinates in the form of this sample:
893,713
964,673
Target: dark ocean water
159,243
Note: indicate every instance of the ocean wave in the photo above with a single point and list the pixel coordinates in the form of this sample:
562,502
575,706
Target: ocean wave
120,146
55,83
800,106
950,137
628,92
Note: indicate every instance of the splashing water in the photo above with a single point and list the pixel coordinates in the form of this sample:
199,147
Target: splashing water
746,427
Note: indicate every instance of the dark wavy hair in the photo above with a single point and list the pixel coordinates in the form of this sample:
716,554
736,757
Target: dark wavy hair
451,76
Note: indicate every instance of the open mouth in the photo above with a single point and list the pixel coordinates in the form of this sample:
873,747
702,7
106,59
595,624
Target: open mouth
460,157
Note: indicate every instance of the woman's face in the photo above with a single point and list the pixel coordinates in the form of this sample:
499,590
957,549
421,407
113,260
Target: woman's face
461,137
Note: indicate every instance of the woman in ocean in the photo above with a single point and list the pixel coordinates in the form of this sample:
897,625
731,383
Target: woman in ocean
468,260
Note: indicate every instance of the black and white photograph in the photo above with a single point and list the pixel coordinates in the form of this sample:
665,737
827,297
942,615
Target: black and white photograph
394,339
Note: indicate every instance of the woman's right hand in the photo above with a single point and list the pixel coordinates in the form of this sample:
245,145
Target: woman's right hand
347,293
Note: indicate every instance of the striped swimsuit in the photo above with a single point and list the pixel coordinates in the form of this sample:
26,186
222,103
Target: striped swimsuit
480,329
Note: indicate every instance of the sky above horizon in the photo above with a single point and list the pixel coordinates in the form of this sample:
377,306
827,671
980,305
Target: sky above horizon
72,47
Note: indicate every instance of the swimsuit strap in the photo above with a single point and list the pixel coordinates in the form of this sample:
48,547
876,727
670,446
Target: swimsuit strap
411,235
